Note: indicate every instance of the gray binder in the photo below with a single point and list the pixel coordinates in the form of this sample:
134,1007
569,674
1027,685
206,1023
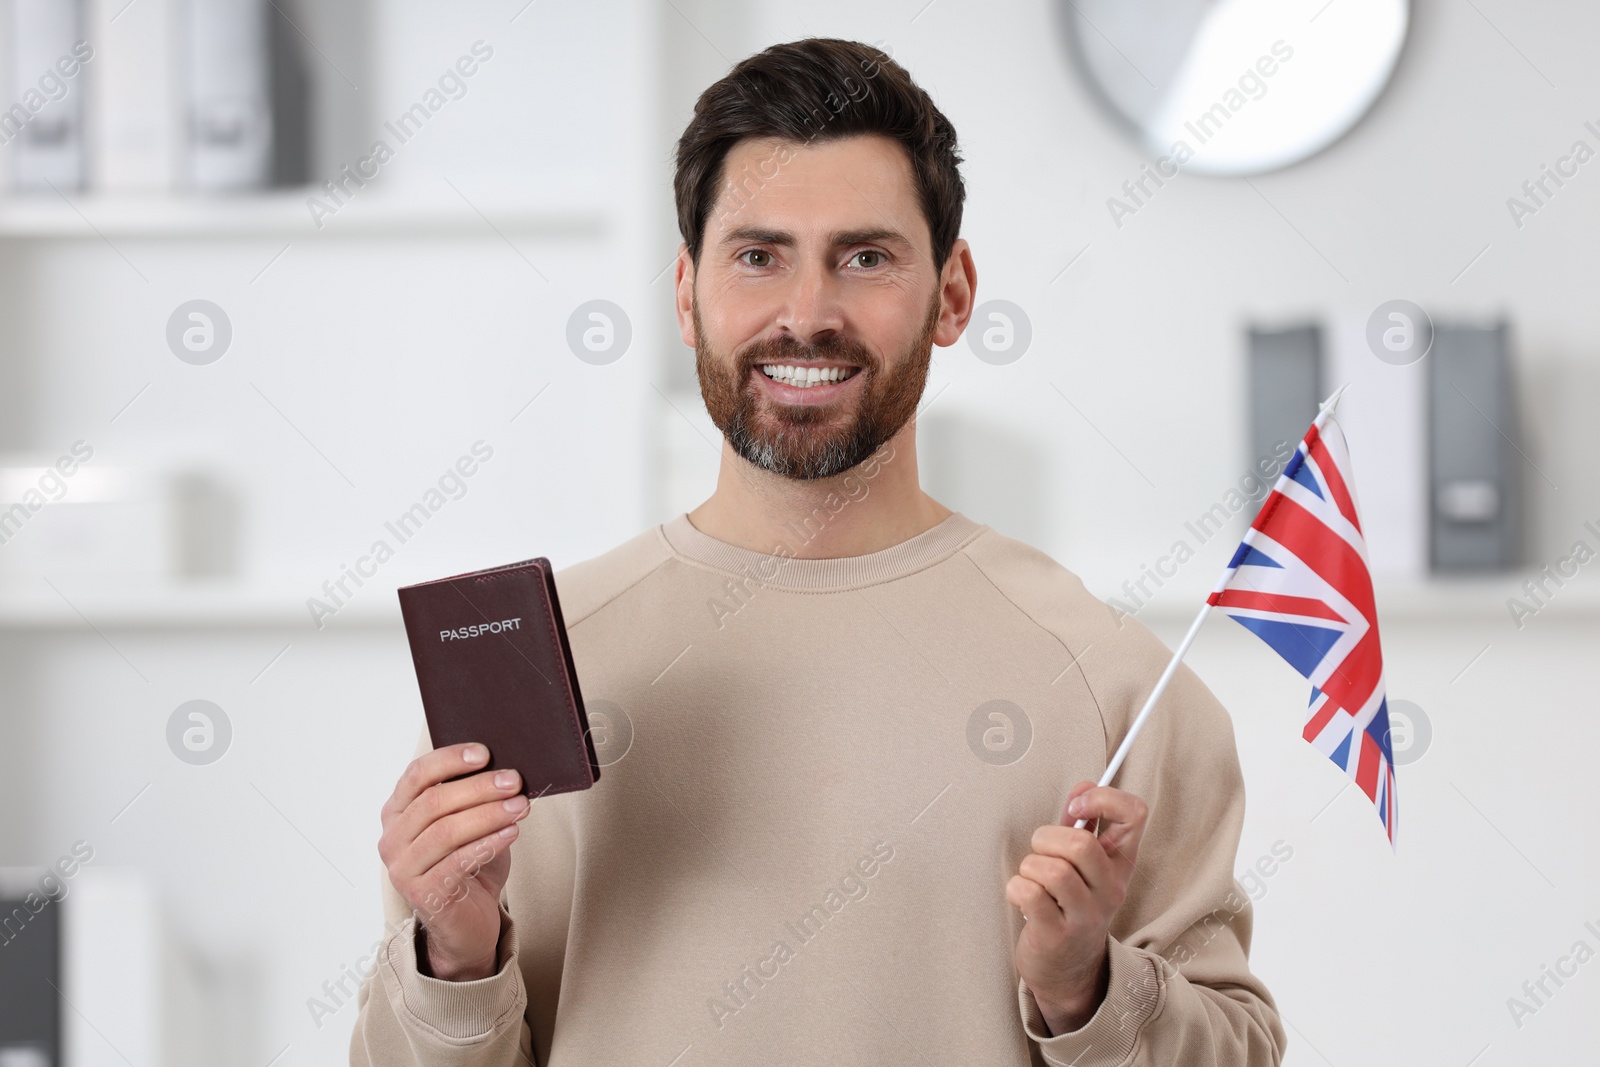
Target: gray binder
1474,469
229,97
30,963
1285,376
48,130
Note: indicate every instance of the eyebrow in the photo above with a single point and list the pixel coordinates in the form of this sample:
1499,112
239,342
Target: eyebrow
839,238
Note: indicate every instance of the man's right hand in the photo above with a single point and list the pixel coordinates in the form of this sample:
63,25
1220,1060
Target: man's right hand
446,846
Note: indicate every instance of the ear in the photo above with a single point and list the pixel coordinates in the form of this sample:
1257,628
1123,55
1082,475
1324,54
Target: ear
683,280
958,288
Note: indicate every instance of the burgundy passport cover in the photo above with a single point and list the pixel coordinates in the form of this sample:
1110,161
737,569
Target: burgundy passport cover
494,666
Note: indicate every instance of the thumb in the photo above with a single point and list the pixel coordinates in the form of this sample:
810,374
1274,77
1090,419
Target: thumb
1067,818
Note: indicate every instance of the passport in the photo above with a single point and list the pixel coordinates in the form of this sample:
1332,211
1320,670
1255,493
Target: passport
494,665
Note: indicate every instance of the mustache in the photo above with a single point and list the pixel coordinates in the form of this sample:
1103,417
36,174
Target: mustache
838,349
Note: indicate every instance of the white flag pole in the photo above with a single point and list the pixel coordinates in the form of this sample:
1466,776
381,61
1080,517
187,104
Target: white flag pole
1188,639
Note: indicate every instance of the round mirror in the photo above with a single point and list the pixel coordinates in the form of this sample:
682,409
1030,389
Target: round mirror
1236,86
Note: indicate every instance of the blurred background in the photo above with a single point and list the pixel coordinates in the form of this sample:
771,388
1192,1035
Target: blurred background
268,271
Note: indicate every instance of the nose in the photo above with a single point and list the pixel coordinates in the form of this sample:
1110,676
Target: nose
811,311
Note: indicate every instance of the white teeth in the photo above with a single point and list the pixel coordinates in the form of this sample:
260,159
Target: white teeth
805,377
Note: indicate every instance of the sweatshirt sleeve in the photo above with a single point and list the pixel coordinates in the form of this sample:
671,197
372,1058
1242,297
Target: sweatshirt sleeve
1180,988
405,1017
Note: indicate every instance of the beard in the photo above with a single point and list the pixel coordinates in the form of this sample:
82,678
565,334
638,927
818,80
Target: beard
812,441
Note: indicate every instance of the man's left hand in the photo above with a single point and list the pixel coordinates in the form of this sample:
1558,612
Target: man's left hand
1068,888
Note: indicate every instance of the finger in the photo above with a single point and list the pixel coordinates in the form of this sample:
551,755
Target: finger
431,768
1061,880
1036,905
448,798
1120,817
1081,849
465,862
1067,818
445,835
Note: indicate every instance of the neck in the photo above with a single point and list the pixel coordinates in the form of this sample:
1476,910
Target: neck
877,504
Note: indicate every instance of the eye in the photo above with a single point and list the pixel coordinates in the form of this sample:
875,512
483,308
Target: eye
878,258
766,262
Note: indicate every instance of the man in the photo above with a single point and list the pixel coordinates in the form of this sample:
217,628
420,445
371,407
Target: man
860,726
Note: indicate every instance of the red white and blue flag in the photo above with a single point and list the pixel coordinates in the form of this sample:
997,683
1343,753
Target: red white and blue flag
1300,582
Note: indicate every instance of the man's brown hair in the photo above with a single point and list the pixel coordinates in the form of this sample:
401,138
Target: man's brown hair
809,92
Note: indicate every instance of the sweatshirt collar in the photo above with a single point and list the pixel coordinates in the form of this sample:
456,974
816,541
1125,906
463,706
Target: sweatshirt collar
780,570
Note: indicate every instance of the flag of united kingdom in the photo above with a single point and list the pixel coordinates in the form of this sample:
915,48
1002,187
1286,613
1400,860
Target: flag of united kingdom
1300,581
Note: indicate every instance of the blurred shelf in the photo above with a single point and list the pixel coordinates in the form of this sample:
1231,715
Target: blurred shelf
284,213
1459,600
1477,599
185,607
207,606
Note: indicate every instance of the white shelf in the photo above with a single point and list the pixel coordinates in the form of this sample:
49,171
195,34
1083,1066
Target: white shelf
1443,600
223,605
185,607
1477,599
283,213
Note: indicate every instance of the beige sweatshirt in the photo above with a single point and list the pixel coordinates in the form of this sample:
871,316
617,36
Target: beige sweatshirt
817,777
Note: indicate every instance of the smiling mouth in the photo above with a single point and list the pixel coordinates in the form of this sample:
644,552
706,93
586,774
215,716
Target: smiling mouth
807,377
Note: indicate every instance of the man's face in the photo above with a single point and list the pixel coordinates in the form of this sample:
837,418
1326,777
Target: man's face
815,259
